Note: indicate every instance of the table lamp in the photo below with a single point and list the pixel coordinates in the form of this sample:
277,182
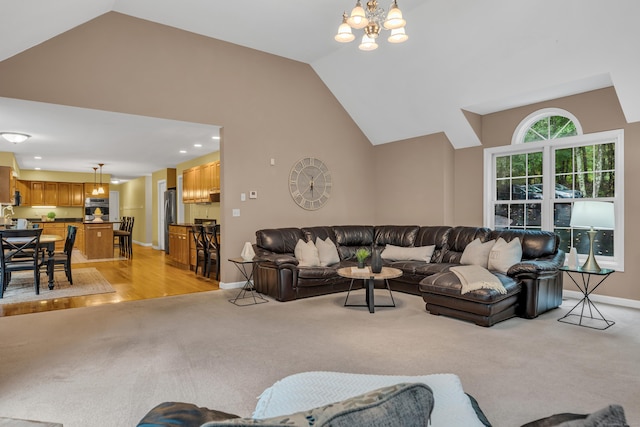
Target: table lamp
592,215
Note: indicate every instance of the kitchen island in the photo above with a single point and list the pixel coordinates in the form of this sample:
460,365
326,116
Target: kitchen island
97,241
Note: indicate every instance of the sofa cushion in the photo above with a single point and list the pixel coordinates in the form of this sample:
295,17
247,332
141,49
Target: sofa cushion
307,254
397,253
457,240
398,235
279,240
178,414
447,283
350,238
400,404
535,243
477,253
327,252
503,255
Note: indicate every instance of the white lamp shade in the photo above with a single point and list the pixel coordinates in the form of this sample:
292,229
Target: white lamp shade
344,33
394,18
368,43
398,36
599,215
358,19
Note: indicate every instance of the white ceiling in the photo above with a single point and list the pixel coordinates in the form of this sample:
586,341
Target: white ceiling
481,56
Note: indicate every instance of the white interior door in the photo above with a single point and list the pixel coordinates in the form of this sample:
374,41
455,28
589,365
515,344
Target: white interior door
162,187
114,208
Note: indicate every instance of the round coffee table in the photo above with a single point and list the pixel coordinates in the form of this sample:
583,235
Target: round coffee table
385,274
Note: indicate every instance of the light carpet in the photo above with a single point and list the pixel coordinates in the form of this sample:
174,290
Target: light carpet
108,365
86,281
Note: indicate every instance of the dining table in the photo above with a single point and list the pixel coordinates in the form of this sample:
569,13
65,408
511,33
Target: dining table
48,242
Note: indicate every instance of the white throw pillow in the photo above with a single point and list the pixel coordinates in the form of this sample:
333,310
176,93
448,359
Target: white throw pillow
327,251
307,254
503,255
477,253
399,253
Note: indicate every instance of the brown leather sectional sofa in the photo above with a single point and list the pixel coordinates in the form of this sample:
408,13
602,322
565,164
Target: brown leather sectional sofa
533,286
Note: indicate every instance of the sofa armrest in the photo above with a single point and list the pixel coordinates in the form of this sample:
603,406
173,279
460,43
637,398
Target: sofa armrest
538,266
276,259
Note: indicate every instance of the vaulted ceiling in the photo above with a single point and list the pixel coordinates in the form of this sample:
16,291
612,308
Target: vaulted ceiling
462,55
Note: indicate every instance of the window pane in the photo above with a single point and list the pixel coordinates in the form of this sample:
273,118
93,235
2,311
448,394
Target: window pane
565,238
519,165
503,189
535,163
534,215
564,160
516,214
607,185
561,214
501,213
503,168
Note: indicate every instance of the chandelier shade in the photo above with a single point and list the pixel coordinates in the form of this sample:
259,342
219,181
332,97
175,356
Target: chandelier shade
372,20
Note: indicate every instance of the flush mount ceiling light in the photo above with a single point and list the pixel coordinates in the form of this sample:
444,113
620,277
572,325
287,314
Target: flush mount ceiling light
372,20
15,137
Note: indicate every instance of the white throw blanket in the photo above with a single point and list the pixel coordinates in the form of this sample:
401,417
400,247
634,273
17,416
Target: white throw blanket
473,277
308,390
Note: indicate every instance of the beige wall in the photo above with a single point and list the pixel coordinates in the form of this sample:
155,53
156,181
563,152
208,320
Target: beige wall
413,181
269,107
133,196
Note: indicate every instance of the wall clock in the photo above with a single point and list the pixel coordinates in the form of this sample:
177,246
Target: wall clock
310,183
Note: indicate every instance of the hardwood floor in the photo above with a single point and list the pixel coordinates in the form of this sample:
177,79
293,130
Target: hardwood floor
147,275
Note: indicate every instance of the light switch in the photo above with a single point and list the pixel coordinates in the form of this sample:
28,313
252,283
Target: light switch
235,212
243,197
273,162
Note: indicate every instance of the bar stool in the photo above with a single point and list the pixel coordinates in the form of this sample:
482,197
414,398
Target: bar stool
124,236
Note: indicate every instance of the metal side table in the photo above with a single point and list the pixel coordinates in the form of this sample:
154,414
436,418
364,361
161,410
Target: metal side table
585,303
248,291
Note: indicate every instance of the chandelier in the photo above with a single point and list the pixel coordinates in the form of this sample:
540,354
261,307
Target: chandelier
372,20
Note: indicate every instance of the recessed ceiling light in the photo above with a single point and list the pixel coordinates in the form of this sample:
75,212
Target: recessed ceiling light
37,157
37,169
215,137
183,151
197,145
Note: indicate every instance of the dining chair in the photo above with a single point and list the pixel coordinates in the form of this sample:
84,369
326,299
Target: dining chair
20,252
200,244
124,235
213,245
62,260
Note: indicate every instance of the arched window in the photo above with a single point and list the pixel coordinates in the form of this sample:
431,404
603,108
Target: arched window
545,125
550,164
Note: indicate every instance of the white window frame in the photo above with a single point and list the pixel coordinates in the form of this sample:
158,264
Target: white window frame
548,147
523,127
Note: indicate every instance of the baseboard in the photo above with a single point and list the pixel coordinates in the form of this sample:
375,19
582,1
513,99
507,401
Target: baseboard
622,302
142,244
231,285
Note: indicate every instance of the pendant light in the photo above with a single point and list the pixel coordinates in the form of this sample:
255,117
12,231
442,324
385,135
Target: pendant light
95,188
101,188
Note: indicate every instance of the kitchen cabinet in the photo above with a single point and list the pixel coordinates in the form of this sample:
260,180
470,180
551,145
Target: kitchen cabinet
199,182
37,193
24,187
179,245
64,194
7,185
51,193
88,190
77,194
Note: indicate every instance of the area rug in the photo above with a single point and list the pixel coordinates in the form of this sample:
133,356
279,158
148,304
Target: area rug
78,258
86,281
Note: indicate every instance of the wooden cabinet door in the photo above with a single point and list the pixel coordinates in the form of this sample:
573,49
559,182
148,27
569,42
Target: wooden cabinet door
77,194
187,184
51,193
215,175
37,193
6,195
24,187
197,184
64,194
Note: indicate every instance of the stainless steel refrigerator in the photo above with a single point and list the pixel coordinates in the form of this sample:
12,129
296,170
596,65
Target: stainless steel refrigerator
170,214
